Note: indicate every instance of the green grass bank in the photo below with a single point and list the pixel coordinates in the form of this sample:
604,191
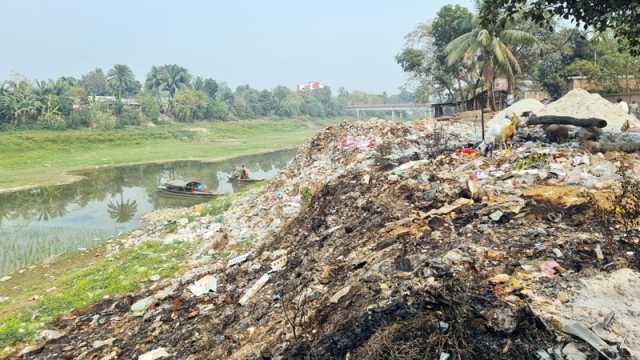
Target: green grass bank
39,157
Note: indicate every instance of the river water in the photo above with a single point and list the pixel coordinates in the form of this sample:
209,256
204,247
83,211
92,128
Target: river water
38,224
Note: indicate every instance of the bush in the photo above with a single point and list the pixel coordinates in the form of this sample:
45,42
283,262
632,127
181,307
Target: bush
189,105
102,120
150,107
218,110
80,119
53,121
131,117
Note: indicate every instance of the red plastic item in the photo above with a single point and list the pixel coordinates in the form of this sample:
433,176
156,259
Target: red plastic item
468,152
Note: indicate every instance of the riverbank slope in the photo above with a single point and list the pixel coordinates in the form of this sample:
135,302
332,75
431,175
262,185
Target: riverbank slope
39,158
394,243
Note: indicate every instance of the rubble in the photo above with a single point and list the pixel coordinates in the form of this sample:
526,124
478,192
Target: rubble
591,299
386,238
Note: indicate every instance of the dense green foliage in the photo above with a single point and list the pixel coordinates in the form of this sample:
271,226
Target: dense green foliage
105,100
619,16
489,49
457,54
424,56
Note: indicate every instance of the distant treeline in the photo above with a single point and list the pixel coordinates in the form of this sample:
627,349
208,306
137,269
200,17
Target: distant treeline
115,98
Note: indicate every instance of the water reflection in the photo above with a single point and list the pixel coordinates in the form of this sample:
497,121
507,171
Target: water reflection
37,224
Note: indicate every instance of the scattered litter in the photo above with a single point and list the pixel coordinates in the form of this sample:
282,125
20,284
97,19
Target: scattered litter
279,264
207,284
582,332
252,291
100,343
496,216
339,295
239,259
420,229
543,355
571,352
549,268
557,252
140,306
159,353
599,253
48,335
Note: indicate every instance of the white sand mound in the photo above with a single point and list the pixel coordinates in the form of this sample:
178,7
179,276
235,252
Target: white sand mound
582,104
520,107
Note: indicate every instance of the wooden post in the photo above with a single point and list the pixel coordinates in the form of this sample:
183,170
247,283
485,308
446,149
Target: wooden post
482,121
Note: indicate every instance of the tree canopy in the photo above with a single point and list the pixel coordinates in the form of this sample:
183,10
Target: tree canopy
620,16
452,57
169,94
122,81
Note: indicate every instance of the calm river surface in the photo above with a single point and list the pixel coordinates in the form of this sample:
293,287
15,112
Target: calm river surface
40,223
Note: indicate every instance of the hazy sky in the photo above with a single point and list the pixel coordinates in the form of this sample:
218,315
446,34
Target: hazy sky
261,43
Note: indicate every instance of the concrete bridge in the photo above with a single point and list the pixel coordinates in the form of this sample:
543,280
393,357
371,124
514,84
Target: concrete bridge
389,107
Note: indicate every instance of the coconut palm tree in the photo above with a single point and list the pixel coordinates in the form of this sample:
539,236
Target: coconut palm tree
154,79
174,77
490,50
122,80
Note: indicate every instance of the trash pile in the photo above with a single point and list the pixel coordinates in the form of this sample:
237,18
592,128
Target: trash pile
337,150
386,240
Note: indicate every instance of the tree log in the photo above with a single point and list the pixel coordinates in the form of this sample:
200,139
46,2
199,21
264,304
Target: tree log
567,120
629,147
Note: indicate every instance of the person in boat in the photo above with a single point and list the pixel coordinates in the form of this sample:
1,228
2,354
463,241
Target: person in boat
200,187
245,174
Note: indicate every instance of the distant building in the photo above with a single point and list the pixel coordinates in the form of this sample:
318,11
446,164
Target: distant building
314,85
527,89
624,87
112,100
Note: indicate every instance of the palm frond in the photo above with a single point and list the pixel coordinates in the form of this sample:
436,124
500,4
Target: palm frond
457,48
498,53
515,64
517,37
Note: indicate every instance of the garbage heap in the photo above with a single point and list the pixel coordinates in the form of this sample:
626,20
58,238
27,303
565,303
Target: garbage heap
387,240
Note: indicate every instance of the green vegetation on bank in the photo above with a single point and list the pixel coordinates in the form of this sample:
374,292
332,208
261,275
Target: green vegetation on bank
120,274
77,280
31,157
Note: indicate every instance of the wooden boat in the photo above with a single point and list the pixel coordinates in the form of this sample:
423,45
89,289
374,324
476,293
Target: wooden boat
244,181
188,189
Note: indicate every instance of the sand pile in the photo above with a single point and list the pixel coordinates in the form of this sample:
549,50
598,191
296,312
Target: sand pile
582,104
518,108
